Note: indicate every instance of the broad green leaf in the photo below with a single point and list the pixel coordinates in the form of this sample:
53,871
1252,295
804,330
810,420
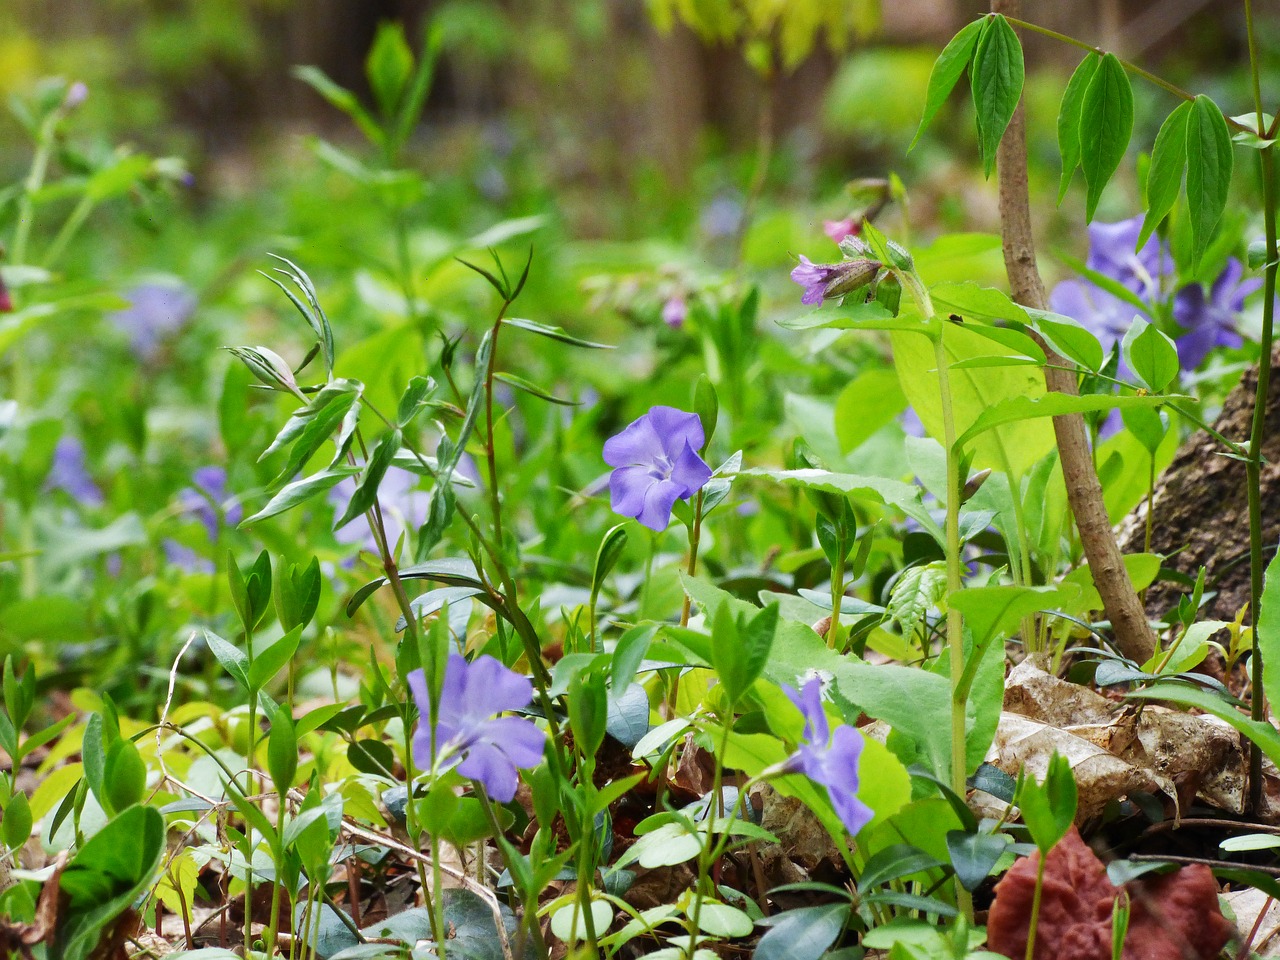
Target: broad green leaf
1018,409
1048,809
1209,163
917,591
1012,447
1106,123
389,66
869,402
974,855
1069,338
1150,354
913,702
995,77
1069,114
991,611
282,751
124,776
1164,175
267,663
16,826
946,72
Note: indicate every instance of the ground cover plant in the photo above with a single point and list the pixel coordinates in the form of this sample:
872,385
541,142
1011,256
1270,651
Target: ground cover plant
378,582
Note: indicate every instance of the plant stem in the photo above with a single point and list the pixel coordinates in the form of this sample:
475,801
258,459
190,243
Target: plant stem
695,536
710,849
1253,465
1035,909
955,638
490,451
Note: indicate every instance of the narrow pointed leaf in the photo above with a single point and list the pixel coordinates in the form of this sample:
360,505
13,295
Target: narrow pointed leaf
946,72
1164,177
1069,119
1106,123
1209,163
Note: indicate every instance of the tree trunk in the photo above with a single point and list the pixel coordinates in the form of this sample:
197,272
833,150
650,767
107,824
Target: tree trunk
1201,507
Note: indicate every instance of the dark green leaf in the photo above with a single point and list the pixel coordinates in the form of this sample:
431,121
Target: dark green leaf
1209,163
995,77
1106,123
1069,119
367,490
300,491
803,934
282,752
946,72
1164,175
973,855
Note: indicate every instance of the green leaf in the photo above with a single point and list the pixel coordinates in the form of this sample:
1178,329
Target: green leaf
282,751
611,547
739,651
991,611
946,73
1268,630
17,823
803,934
995,77
1209,163
450,570
232,658
389,66
105,877
869,402
910,700
413,400
1048,809
1150,354
1069,338
1164,175
124,776
1017,409
1106,123
300,491
367,490
268,662
341,98
554,333
917,591
531,388
1069,119
974,855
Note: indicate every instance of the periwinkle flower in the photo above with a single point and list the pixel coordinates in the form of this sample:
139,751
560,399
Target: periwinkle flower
827,758
1211,321
656,462
826,281
184,558
207,497
491,748
155,310
1103,314
69,474
1113,253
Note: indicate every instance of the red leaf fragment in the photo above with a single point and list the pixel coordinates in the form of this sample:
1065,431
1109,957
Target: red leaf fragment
1174,916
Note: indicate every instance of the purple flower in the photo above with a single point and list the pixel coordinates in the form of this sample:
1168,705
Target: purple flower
656,463
208,497
69,474
1211,322
184,558
674,312
155,310
403,505
1112,253
1103,314
829,759
491,748
826,281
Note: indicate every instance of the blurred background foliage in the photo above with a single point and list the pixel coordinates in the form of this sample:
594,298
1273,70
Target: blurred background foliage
674,152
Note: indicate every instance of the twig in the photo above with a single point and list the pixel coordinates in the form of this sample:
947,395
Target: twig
1191,861
1134,637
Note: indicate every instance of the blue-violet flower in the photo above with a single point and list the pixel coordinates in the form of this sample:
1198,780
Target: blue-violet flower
69,473
1211,322
491,748
656,463
830,759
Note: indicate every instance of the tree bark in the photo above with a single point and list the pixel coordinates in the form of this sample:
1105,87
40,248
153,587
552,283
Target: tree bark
1133,635
1201,507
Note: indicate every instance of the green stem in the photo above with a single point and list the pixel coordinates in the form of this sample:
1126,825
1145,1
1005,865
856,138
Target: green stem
70,227
1253,471
1127,64
1035,909
490,451
837,594
274,926
695,536
712,847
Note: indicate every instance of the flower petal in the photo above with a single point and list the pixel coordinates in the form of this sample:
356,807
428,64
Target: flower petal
489,765
521,740
690,471
627,487
492,688
675,428
638,443
658,500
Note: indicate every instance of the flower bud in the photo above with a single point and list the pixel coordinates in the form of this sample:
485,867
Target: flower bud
854,246
899,256
849,275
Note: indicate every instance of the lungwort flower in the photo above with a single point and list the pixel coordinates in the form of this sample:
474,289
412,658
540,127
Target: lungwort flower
490,748
827,281
656,463
827,758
